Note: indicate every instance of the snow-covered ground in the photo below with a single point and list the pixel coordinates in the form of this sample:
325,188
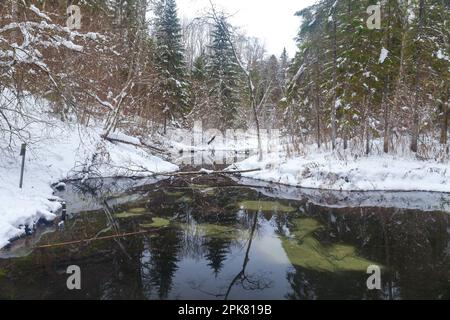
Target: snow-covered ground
59,151
327,171
420,200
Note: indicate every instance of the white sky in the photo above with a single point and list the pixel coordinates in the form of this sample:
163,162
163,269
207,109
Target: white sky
272,21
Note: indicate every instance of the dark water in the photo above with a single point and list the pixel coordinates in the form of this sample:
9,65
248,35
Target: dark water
234,242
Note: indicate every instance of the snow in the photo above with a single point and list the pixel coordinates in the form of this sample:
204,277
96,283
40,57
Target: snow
39,13
204,147
299,73
338,103
59,151
326,171
70,45
123,137
202,139
383,55
206,171
411,14
423,201
440,55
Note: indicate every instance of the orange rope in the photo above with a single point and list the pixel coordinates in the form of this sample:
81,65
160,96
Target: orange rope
63,244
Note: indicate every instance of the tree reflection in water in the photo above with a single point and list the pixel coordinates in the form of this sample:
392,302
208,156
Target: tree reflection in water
249,282
211,249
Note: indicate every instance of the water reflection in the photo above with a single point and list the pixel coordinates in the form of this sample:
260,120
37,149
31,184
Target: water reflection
236,243
211,159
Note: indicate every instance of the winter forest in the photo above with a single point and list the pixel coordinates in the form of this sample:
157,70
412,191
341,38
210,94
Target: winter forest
112,89
347,87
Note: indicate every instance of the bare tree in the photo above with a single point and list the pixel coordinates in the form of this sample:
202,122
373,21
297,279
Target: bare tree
24,43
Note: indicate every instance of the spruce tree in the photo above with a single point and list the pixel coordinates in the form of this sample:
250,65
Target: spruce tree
224,74
170,60
307,88
199,89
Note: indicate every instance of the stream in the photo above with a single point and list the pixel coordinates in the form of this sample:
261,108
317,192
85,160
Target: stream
221,238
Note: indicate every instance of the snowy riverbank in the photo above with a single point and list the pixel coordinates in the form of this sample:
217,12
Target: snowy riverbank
59,151
324,170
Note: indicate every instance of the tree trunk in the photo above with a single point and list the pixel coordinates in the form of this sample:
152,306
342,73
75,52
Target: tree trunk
415,128
417,107
386,116
345,139
14,10
386,92
445,115
255,114
333,107
319,142
367,140
317,103
367,125
14,18
165,123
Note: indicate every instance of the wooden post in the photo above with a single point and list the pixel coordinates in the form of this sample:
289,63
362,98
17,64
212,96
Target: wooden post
64,212
23,151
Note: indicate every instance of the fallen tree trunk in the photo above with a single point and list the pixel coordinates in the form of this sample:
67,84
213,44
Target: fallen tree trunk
141,145
175,174
206,172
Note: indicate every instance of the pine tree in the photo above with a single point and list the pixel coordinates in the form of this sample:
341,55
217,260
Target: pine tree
224,74
170,61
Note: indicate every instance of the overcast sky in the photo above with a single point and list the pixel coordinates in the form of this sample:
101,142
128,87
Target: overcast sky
271,20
